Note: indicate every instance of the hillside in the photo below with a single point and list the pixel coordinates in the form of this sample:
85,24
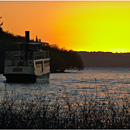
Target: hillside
61,59
105,59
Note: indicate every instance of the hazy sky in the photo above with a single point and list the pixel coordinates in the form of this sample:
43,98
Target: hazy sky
81,26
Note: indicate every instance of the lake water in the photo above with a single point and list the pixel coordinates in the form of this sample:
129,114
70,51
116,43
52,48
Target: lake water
76,85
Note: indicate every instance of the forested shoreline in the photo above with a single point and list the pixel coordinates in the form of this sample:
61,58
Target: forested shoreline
60,59
105,59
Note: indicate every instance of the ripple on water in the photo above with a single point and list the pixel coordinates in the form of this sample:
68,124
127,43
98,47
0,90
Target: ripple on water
89,82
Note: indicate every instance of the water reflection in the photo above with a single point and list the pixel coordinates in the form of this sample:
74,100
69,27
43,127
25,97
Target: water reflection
97,83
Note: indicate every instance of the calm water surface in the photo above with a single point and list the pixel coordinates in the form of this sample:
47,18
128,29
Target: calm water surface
90,82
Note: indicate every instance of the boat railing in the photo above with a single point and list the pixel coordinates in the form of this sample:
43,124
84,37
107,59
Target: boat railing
14,55
18,55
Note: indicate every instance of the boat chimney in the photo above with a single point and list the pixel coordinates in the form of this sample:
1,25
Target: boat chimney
27,36
26,45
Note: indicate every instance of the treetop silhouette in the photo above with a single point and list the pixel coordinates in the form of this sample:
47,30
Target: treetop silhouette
1,23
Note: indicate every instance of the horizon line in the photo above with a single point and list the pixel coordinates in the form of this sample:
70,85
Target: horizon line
104,52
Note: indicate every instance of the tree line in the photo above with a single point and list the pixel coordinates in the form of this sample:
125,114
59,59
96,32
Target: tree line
60,58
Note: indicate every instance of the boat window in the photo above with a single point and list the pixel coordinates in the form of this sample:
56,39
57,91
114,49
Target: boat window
46,63
38,64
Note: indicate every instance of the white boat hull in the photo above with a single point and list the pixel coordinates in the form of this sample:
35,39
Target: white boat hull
38,69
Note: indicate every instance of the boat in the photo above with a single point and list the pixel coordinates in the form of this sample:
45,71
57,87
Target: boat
28,63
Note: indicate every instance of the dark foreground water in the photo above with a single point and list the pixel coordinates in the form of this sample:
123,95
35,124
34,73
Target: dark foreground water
91,82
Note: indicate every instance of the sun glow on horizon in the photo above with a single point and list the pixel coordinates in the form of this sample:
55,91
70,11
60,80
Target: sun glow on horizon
80,26
119,50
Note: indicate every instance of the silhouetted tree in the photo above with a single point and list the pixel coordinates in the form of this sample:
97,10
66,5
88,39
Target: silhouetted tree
61,59
1,23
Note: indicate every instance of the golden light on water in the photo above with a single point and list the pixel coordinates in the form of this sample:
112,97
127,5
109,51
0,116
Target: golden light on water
81,26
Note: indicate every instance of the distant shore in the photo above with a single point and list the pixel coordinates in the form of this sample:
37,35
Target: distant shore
105,59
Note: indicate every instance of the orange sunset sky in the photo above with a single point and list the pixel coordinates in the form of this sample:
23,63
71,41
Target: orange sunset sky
76,25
